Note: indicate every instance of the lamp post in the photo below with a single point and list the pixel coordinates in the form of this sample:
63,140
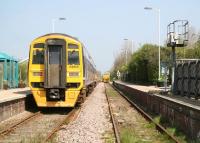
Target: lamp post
158,11
126,49
127,45
53,22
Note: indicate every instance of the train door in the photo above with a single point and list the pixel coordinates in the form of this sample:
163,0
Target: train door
55,65
1,75
55,69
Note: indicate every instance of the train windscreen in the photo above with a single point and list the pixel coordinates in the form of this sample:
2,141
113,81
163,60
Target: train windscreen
38,57
73,57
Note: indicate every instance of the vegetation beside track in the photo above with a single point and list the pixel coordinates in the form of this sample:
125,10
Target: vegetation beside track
171,128
174,130
142,65
133,127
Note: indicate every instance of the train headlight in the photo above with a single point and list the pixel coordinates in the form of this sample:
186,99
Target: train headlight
37,73
74,74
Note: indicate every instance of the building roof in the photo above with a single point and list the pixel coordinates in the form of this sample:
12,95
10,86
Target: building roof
4,56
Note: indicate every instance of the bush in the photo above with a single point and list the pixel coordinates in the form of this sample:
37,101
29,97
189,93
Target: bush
143,65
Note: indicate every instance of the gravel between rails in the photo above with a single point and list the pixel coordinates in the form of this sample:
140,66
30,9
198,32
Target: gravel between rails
92,123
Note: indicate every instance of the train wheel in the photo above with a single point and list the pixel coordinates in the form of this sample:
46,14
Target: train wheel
83,98
90,89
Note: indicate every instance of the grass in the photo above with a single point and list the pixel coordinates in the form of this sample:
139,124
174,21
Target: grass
150,125
164,138
111,92
38,138
173,130
128,135
109,137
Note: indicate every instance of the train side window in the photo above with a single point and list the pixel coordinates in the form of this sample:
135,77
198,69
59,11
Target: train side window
38,57
72,46
38,45
73,57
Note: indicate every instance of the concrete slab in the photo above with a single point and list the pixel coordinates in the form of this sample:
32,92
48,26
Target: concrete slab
13,102
140,87
13,94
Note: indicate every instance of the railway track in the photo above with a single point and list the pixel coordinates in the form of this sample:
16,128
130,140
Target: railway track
9,129
113,120
38,127
159,127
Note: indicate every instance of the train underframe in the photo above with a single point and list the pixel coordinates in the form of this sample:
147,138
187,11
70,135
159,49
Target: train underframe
58,97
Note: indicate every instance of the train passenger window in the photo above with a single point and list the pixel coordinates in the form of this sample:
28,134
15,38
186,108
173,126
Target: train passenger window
39,45
73,57
38,57
72,46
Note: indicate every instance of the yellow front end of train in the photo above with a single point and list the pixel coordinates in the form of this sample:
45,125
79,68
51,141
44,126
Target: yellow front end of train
56,70
106,77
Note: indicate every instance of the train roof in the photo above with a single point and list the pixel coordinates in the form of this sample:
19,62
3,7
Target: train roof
61,34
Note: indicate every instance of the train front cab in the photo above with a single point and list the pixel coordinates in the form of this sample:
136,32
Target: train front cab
106,78
56,71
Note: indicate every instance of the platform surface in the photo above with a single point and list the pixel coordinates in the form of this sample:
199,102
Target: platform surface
195,104
141,87
13,94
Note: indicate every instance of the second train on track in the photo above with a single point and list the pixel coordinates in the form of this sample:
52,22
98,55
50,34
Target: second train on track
61,72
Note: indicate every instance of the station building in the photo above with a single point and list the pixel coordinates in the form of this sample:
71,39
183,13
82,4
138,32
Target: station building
8,71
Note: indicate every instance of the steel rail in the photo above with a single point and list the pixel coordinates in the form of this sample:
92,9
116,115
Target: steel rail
115,124
159,127
69,117
12,127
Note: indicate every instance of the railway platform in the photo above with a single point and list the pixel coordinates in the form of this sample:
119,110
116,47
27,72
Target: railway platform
151,89
141,87
13,102
176,110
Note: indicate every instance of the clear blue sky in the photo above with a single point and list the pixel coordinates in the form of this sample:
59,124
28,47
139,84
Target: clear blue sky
100,24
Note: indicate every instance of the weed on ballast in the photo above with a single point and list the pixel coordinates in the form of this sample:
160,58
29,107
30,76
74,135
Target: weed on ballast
38,138
108,137
172,129
111,92
128,135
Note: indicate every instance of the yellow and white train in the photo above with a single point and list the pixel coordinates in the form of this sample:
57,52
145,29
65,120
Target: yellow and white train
106,77
61,72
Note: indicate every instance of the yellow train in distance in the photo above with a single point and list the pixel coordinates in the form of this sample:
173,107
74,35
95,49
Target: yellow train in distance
61,72
106,77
